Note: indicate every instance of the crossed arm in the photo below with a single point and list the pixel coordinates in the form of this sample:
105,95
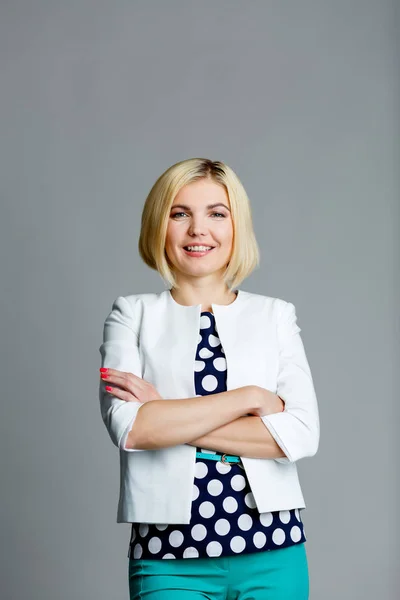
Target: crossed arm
217,422
245,436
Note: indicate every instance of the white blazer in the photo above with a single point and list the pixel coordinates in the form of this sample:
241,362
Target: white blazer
154,337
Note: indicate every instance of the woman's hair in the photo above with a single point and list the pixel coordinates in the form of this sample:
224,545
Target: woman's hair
156,211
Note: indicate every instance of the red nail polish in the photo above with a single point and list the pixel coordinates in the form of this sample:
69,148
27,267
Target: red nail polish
103,376
108,388
103,370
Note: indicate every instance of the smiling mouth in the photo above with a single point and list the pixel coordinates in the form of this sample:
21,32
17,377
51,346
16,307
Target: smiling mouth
208,248
197,252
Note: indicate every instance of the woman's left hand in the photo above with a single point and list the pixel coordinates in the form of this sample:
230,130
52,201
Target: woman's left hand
270,403
131,388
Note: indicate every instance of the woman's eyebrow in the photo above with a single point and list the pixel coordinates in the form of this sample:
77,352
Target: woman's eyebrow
210,206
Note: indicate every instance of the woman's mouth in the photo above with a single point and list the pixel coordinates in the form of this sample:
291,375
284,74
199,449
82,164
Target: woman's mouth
196,251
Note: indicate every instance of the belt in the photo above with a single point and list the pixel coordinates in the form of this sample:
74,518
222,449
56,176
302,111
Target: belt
224,458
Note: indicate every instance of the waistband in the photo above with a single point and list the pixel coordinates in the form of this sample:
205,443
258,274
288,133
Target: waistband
224,458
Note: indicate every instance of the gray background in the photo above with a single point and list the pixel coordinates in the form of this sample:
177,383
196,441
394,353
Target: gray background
97,100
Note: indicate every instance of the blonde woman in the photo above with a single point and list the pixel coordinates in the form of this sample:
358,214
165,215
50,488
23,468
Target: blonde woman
207,393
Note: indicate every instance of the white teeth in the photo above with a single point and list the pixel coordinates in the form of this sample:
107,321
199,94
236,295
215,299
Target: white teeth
199,248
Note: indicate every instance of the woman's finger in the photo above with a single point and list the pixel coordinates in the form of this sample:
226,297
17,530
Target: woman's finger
107,372
127,381
139,388
122,394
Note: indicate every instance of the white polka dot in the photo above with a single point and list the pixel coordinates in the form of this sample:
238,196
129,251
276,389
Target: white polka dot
249,500
214,549
195,492
200,470
223,468
143,529
175,538
137,551
214,487
161,526
154,545
245,522
284,516
198,532
295,533
190,552
133,535
220,363
238,482
199,338
205,353
205,322
206,509
169,555
209,383
278,536
199,366
259,539
266,519
297,513
222,526
237,543
213,340
230,504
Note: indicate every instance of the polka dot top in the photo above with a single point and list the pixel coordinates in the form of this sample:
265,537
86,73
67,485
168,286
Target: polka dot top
224,518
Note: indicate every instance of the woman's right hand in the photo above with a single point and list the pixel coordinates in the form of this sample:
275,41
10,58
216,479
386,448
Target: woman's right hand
131,388
266,402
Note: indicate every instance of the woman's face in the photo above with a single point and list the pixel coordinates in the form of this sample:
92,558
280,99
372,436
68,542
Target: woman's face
200,216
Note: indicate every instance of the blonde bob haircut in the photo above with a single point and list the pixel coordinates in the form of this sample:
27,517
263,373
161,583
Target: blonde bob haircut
245,256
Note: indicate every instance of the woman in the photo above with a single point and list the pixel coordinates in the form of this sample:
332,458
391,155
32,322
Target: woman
211,402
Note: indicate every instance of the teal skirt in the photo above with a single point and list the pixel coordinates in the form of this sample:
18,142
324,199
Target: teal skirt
280,574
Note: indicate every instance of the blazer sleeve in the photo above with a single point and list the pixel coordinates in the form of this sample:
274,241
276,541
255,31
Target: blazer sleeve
297,429
119,350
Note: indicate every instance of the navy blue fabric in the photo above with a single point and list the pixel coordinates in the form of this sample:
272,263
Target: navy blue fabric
224,519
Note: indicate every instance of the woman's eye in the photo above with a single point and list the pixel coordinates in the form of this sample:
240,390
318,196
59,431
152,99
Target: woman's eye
183,213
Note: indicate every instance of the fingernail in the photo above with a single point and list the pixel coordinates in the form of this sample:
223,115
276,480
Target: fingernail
108,388
103,375
103,370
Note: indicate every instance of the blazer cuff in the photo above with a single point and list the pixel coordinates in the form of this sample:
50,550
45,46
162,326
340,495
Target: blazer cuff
294,437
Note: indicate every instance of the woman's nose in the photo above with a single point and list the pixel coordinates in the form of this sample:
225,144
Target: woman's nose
197,228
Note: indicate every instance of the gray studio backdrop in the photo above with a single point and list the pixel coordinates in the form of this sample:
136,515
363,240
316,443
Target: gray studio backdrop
97,100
